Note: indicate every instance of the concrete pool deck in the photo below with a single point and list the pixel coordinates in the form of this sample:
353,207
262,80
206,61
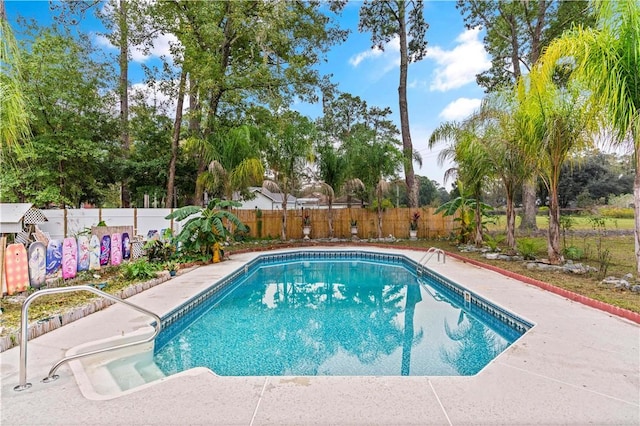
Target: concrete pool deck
577,365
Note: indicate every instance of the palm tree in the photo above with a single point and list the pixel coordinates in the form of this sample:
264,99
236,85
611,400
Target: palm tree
333,168
287,154
473,165
556,121
233,161
13,104
508,157
608,60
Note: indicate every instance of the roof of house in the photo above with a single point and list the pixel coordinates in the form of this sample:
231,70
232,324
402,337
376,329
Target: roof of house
12,214
274,196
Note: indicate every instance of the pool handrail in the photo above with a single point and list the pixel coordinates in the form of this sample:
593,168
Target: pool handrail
427,257
24,332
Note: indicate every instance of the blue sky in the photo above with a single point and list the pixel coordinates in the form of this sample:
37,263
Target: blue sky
441,87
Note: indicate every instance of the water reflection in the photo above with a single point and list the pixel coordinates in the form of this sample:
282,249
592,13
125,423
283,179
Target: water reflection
325,318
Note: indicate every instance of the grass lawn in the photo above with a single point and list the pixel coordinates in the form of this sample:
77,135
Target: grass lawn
578,223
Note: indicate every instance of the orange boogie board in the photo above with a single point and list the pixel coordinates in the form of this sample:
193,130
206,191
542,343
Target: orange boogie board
16,268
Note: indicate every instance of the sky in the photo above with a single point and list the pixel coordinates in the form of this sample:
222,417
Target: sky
440,87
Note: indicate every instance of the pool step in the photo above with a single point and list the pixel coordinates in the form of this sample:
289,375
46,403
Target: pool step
134,371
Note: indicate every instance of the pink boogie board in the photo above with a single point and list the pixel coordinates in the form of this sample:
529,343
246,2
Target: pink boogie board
37,264
116,249
16,268
83,253
69,258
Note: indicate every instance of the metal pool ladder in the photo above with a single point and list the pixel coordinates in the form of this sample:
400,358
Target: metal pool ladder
427,257
24,338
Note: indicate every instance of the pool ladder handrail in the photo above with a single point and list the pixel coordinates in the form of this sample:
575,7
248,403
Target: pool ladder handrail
427,257
24,332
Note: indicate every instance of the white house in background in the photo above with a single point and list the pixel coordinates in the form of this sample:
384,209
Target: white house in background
267,200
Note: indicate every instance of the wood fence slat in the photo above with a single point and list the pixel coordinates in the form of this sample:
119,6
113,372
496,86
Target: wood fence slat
395,222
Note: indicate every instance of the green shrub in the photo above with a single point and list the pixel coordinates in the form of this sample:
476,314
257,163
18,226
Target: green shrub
159,251
528,248
138,270
543,211
493,241
573,253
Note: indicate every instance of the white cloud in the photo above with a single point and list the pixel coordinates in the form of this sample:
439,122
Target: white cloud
459,109
385,60
155,96
372,53
160,47
458,67
102,41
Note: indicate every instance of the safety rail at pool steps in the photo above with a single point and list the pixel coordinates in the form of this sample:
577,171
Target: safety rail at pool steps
24,337
427,257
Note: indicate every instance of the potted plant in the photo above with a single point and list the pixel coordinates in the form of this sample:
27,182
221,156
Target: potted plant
172,266
306,225
413,227
354,227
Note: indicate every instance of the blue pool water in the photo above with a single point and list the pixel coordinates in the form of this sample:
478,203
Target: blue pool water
338,315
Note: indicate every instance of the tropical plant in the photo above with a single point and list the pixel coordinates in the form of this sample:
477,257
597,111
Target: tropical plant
140,269
492,241
556,122
233,159
206,226
506,156
515,35
158,250
464,208
171,265
473,165
414,221
528,248
13,103
608,59
287,155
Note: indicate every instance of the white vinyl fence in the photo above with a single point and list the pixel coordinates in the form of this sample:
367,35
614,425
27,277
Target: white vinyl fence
71,222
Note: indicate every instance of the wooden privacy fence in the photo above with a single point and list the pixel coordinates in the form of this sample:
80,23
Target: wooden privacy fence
262,224
395,222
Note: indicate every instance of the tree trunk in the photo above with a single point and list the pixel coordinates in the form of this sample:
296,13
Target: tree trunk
478,239
123,89
511,222
330,212
636,207
529,206
283,233
169,201
407,146
553,241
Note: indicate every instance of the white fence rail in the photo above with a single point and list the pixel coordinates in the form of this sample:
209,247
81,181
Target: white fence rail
71,222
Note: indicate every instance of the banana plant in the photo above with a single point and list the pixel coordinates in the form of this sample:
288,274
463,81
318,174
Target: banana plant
206,226
463,207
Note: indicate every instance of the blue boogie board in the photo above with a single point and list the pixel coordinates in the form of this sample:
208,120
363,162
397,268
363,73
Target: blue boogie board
54,256
105,250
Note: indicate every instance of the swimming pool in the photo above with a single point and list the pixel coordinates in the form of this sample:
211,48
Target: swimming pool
334,313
